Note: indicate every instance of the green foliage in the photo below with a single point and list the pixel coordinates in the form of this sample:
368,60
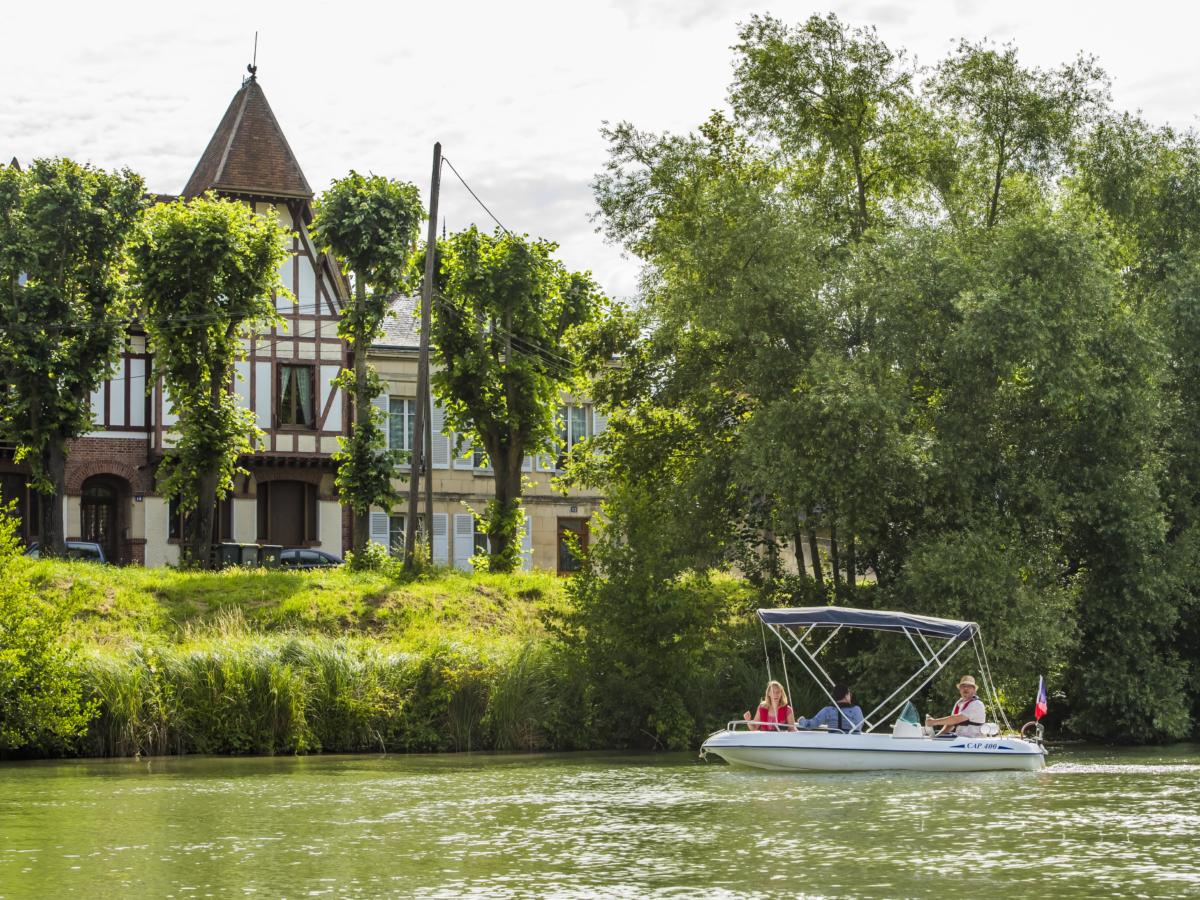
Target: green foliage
42,708
63,302
950,330
836,97
1006,122
370,224
652,649
365,464
511,331
206,270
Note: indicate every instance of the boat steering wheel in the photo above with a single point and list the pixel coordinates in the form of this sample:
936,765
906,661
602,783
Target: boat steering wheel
1036,728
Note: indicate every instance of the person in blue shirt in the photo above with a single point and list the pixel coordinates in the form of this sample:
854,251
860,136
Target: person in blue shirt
846,715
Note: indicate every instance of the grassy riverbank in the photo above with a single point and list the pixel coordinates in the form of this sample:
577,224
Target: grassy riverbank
292,662
283,662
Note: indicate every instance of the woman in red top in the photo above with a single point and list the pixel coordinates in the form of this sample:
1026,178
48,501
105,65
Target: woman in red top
774,711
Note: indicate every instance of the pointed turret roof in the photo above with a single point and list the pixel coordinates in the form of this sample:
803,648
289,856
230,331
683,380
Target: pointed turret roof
248,153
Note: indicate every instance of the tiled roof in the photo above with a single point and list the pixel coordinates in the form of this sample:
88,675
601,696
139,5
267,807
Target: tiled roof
401,330
248,153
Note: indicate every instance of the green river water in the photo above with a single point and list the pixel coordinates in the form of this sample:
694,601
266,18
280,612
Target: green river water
1094,823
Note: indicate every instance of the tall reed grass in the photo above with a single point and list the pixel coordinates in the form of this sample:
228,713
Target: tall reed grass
232,691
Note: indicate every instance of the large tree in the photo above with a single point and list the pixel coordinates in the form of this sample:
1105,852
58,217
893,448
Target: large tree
836,100
508,333
950,353
1009,125
206,271
63,228
370,224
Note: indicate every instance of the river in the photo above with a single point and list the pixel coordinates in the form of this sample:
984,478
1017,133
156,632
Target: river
1095,822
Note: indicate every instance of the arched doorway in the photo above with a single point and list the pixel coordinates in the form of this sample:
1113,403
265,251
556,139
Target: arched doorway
101,514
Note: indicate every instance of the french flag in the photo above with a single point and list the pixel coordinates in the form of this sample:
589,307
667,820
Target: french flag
1039,705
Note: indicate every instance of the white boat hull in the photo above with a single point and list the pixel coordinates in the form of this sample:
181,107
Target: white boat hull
820,751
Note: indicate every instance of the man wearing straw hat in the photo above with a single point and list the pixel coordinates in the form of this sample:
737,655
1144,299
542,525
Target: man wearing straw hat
968,714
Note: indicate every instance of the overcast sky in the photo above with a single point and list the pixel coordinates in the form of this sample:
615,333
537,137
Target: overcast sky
516,92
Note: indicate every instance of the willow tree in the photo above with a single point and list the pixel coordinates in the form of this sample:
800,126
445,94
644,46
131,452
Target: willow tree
508,336
370,224
63,228
206,270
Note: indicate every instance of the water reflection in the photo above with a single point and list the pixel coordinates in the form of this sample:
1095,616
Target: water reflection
1094,821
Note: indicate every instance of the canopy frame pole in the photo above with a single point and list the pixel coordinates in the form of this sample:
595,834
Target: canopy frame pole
799,644
940,664
925,641
766,655
800,659
832,635
786,679
917,646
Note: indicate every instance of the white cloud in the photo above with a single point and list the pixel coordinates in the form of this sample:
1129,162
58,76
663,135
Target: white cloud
516,93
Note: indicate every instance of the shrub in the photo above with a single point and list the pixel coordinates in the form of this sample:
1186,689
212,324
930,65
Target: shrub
41,695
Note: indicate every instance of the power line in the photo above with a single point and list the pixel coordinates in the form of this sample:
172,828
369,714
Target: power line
476,196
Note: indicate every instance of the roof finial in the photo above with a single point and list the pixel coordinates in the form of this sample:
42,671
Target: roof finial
253,67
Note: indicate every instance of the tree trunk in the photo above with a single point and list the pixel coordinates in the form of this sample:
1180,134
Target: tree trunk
52,530
994,201
501,534
772,553
860,191
833,559
815,552
198,543
851,565
362,411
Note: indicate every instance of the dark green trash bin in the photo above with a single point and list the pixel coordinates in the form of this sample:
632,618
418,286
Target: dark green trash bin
227,554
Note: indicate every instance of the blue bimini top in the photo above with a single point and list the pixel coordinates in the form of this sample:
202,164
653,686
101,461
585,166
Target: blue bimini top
870,619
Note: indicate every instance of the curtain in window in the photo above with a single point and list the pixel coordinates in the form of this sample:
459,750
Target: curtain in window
578,424
286,378
303,382
396,425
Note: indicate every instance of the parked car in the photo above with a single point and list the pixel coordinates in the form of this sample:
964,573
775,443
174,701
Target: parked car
304,558
75,550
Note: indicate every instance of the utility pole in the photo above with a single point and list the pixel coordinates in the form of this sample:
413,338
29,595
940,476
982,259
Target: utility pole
422,431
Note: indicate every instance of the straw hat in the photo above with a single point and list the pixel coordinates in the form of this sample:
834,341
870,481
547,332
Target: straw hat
967,680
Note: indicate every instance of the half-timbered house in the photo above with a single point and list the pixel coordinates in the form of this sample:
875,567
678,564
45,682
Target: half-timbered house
288,498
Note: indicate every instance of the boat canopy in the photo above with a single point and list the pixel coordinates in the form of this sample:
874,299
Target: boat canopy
872,619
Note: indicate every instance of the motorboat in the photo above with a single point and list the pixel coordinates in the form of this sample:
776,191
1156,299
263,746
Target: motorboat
879,743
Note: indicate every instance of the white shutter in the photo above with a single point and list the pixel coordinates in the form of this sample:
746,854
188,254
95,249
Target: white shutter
466,459
383,403
464,540
545,462
379,529
599,421
439,448
527,543
527,463
264,398
241,382
441,549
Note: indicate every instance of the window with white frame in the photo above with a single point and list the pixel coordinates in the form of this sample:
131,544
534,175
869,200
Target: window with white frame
396,535
402,413
572,428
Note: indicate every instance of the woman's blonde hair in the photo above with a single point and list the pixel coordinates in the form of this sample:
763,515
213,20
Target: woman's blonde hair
766,700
